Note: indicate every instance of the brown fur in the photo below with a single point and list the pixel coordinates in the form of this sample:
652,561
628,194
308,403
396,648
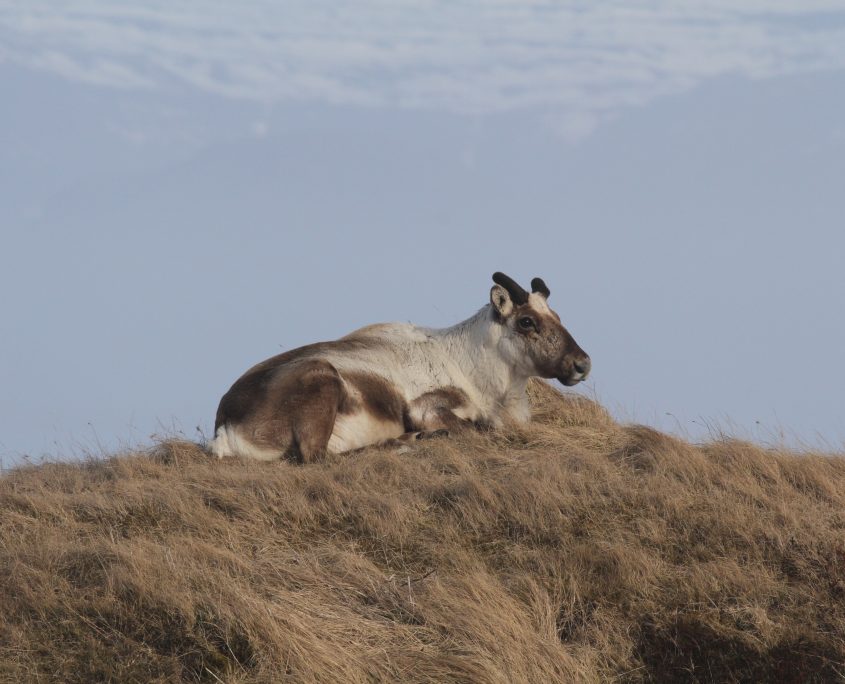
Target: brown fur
290,402
300,414
251,391
251,388
554,351
437,409
379,397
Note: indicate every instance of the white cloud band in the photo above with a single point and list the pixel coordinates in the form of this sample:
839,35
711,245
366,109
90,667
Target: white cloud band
584,58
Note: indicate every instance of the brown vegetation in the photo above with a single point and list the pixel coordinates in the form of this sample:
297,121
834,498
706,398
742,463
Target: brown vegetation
575,549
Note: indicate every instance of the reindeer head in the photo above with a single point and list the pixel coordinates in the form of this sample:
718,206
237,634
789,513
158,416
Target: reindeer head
534,339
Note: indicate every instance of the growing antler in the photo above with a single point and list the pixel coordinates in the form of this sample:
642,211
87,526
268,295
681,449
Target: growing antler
518,295
537,285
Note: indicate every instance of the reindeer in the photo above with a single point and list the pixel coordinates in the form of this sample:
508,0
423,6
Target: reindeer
398,381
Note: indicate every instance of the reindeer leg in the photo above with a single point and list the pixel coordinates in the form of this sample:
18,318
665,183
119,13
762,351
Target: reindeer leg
405,440
314,410
445,422
433,413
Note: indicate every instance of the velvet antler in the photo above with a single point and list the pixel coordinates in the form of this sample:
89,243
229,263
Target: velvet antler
518,295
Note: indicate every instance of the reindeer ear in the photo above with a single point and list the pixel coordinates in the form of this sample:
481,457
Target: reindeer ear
501,300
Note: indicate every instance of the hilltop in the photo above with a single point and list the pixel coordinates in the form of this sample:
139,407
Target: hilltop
574,549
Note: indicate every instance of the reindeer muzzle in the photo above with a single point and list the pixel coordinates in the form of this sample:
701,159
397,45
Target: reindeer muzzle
580,371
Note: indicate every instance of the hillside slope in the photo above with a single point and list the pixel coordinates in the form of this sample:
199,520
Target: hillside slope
575,549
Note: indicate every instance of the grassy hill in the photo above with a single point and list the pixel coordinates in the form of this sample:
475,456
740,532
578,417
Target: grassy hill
575,549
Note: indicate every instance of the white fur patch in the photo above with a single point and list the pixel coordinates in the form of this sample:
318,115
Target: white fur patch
467,412
227,442
360,429
538,302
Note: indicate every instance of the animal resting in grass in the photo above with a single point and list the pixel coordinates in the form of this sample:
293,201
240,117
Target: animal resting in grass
398,381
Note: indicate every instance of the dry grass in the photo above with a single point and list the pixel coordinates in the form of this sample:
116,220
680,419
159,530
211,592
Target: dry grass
573,550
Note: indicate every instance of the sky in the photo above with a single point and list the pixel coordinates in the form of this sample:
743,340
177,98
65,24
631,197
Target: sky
187,188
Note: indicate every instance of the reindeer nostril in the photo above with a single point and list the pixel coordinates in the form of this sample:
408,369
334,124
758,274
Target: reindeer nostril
583,365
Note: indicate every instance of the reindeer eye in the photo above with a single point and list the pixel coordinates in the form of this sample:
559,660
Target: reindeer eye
525,323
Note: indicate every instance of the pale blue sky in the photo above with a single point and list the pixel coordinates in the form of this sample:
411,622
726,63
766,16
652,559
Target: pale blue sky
187,188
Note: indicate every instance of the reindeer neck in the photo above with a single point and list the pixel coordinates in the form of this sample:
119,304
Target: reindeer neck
473,345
